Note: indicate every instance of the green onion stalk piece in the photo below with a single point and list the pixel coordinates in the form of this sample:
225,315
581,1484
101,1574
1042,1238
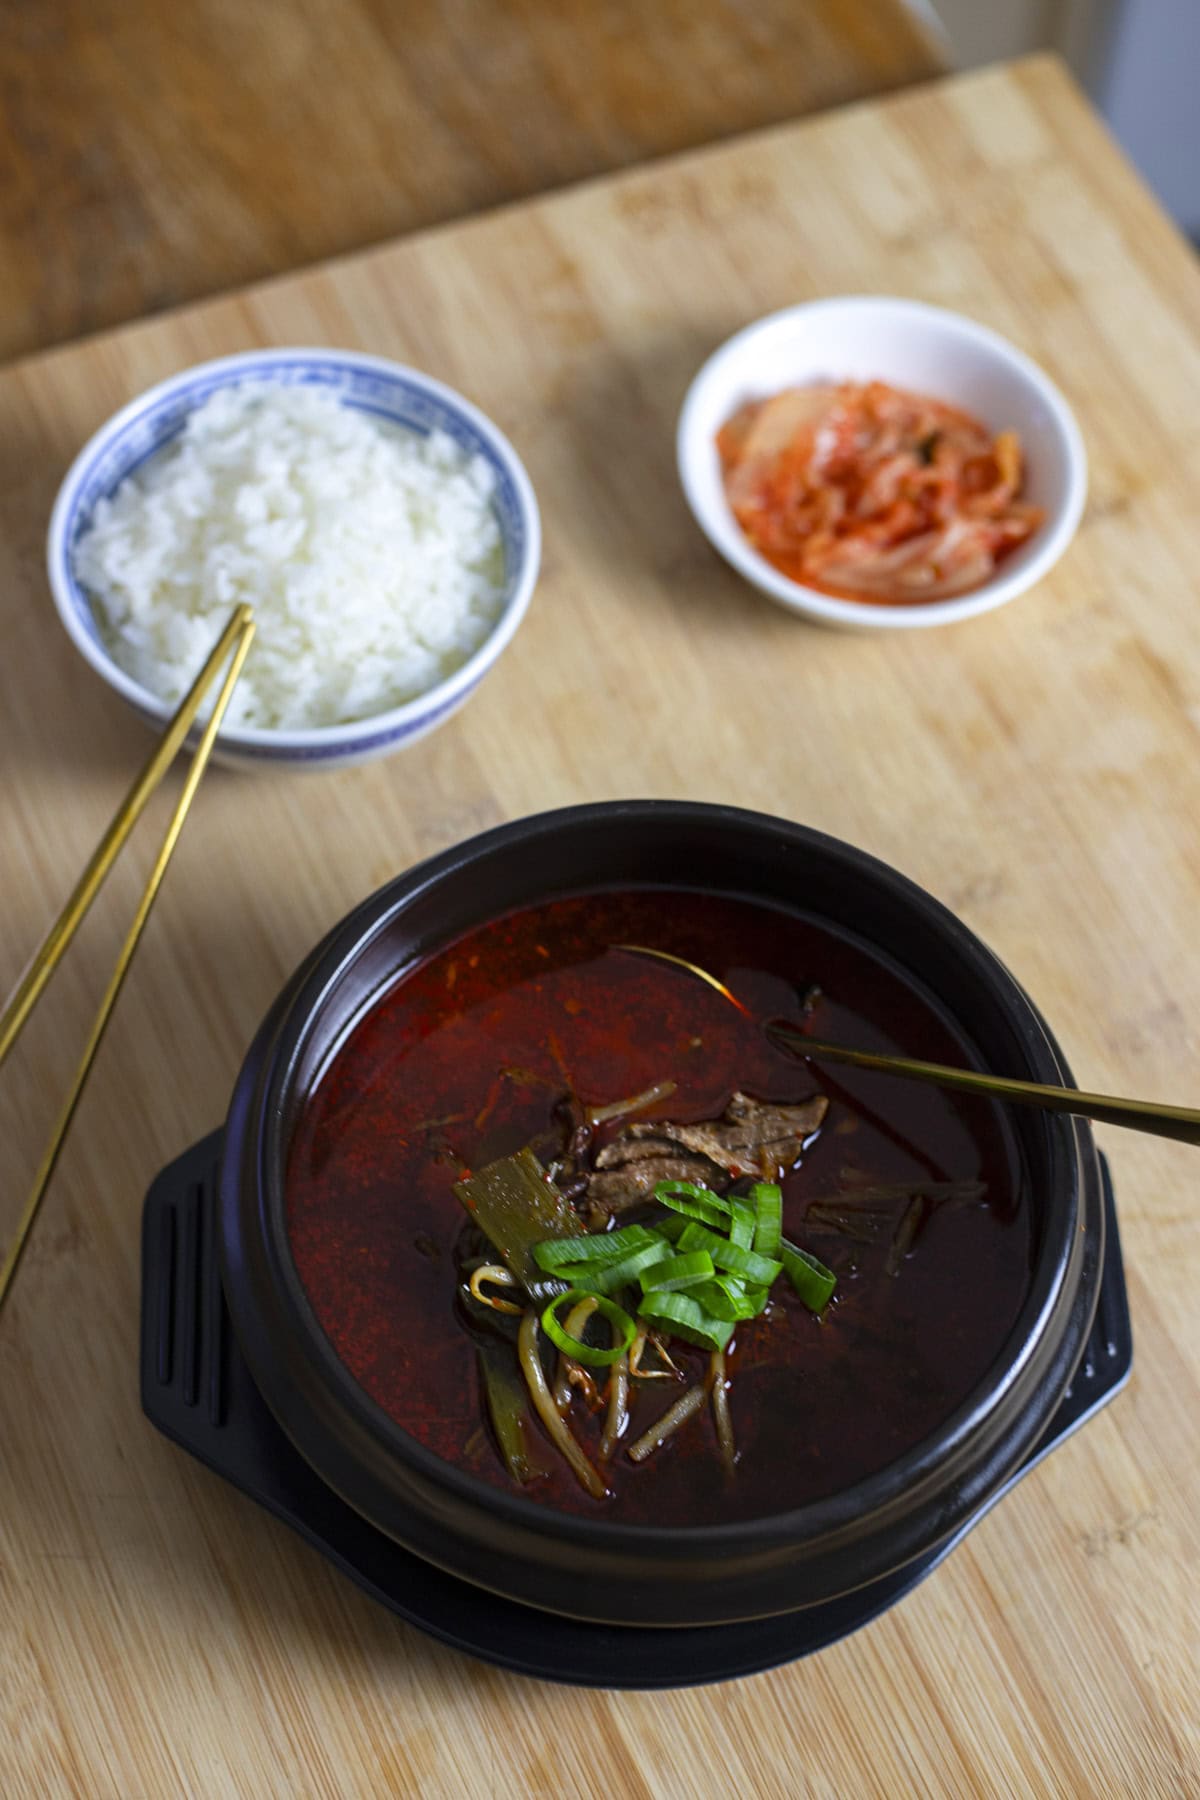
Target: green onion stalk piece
598,1247
741,1224
672,1227
676,1272
767,1200
683,1317
606,1277
761,1270
591,1355
517,1206
727,1299
811,1279
694,1202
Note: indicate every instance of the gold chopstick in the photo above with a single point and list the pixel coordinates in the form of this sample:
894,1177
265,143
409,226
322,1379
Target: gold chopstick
237,635
1179,1122
25,996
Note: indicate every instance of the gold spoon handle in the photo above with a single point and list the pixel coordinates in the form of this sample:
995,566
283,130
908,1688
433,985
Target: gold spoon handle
1179,1122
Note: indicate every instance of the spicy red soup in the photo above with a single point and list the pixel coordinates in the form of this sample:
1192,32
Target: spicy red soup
514,1034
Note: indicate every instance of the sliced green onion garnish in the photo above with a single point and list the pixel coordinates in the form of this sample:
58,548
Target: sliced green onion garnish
726,1299
761,1270
672,1227
811,1279
680,1315
687,1190
677,1272
741,1293
607,1277
694,1202
767,1199
623,1329
741,1224
600,1246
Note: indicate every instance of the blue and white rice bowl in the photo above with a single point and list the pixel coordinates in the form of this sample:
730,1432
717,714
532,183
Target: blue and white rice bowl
389,391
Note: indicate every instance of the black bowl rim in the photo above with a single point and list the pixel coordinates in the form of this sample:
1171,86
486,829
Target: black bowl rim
823,1520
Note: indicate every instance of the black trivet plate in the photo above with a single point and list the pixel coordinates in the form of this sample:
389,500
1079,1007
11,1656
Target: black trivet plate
198,1390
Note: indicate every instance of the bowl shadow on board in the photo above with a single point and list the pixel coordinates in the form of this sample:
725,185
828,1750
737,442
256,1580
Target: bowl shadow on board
617,466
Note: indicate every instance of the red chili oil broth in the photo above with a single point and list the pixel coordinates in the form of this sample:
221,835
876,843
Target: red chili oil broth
463,1061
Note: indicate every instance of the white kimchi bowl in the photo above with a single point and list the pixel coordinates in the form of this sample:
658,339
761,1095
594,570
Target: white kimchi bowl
909,345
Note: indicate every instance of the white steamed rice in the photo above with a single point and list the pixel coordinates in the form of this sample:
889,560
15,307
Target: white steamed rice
371,555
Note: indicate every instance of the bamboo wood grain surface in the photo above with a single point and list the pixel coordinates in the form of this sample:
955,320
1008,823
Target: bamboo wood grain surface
153,154
1037,769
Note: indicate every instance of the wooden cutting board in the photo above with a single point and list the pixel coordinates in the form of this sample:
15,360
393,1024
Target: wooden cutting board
1037,769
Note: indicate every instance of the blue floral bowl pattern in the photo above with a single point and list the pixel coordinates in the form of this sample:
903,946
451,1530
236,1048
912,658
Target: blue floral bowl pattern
403,397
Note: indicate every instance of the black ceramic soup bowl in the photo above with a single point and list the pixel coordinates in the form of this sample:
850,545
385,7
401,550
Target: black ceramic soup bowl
601,1570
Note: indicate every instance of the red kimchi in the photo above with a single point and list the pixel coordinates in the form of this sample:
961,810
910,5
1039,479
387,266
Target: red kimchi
874,494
